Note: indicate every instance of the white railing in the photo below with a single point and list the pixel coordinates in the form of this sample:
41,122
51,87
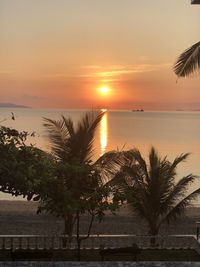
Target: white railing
12,242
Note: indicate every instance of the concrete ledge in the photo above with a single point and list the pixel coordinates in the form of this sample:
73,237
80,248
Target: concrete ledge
195,2
98,264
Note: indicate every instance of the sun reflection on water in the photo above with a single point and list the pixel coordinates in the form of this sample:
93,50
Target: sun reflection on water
104,132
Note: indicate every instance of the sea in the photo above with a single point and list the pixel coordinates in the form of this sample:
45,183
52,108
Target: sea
170,132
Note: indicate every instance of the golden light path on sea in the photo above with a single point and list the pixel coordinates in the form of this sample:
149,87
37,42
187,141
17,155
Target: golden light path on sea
104,132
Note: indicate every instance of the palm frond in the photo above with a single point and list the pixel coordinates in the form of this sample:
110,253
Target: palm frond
171,173
118,184
109,164
158,181
188,62
167,174
140,201
69,125
179,159
136,156
71,144
58,136
178,192
179,209
154,159
85,134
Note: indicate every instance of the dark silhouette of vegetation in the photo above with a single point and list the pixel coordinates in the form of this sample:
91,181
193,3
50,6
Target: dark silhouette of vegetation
23,168
68,184
151,189
188,62
72,148
79,185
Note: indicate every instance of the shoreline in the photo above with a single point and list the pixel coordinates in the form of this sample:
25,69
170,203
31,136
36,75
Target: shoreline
19,217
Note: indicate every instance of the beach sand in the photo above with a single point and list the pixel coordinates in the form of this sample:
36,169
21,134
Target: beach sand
19,217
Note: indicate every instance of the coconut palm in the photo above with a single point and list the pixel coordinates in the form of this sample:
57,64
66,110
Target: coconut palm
72,147
188,62
151,188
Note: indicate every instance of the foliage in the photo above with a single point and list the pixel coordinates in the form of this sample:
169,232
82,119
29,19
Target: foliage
188,62
73,144
152,190
79,184
23,168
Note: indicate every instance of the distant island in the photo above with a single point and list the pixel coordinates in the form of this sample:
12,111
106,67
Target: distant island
11,105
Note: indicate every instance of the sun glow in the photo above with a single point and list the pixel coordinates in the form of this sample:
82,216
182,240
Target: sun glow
104,90
104,132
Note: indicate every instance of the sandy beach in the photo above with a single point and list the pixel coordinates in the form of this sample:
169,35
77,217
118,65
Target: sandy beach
19,217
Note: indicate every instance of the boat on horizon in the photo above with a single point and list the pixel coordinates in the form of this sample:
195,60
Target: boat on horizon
137,110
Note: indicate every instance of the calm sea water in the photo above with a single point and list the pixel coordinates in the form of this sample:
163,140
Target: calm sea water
172,133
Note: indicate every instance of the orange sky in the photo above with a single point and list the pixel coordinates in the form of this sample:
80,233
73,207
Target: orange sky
56,54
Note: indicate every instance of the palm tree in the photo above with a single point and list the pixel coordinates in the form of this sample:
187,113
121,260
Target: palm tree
151,189
188,62
72,148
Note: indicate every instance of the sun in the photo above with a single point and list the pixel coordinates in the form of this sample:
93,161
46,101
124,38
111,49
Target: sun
104,90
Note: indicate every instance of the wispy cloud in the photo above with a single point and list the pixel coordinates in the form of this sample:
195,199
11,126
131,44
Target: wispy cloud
109,73
33,97
92,67
56,75
119,70
5,72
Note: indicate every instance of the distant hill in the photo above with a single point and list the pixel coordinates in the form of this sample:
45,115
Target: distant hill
11,105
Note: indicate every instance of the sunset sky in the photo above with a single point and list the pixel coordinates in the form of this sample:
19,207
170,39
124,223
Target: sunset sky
59,53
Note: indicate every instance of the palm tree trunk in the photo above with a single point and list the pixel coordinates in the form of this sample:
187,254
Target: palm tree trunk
68,229
78,236
153,233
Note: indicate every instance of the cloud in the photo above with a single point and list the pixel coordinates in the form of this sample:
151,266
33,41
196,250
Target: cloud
109,73
120,70
56,75
93,67
5,72
33,97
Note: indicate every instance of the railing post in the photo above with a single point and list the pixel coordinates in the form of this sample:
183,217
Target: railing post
28,245
92,241
35,247
45,242
60,242
11,243
20,242
37,243
52,242
3,243
197,229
